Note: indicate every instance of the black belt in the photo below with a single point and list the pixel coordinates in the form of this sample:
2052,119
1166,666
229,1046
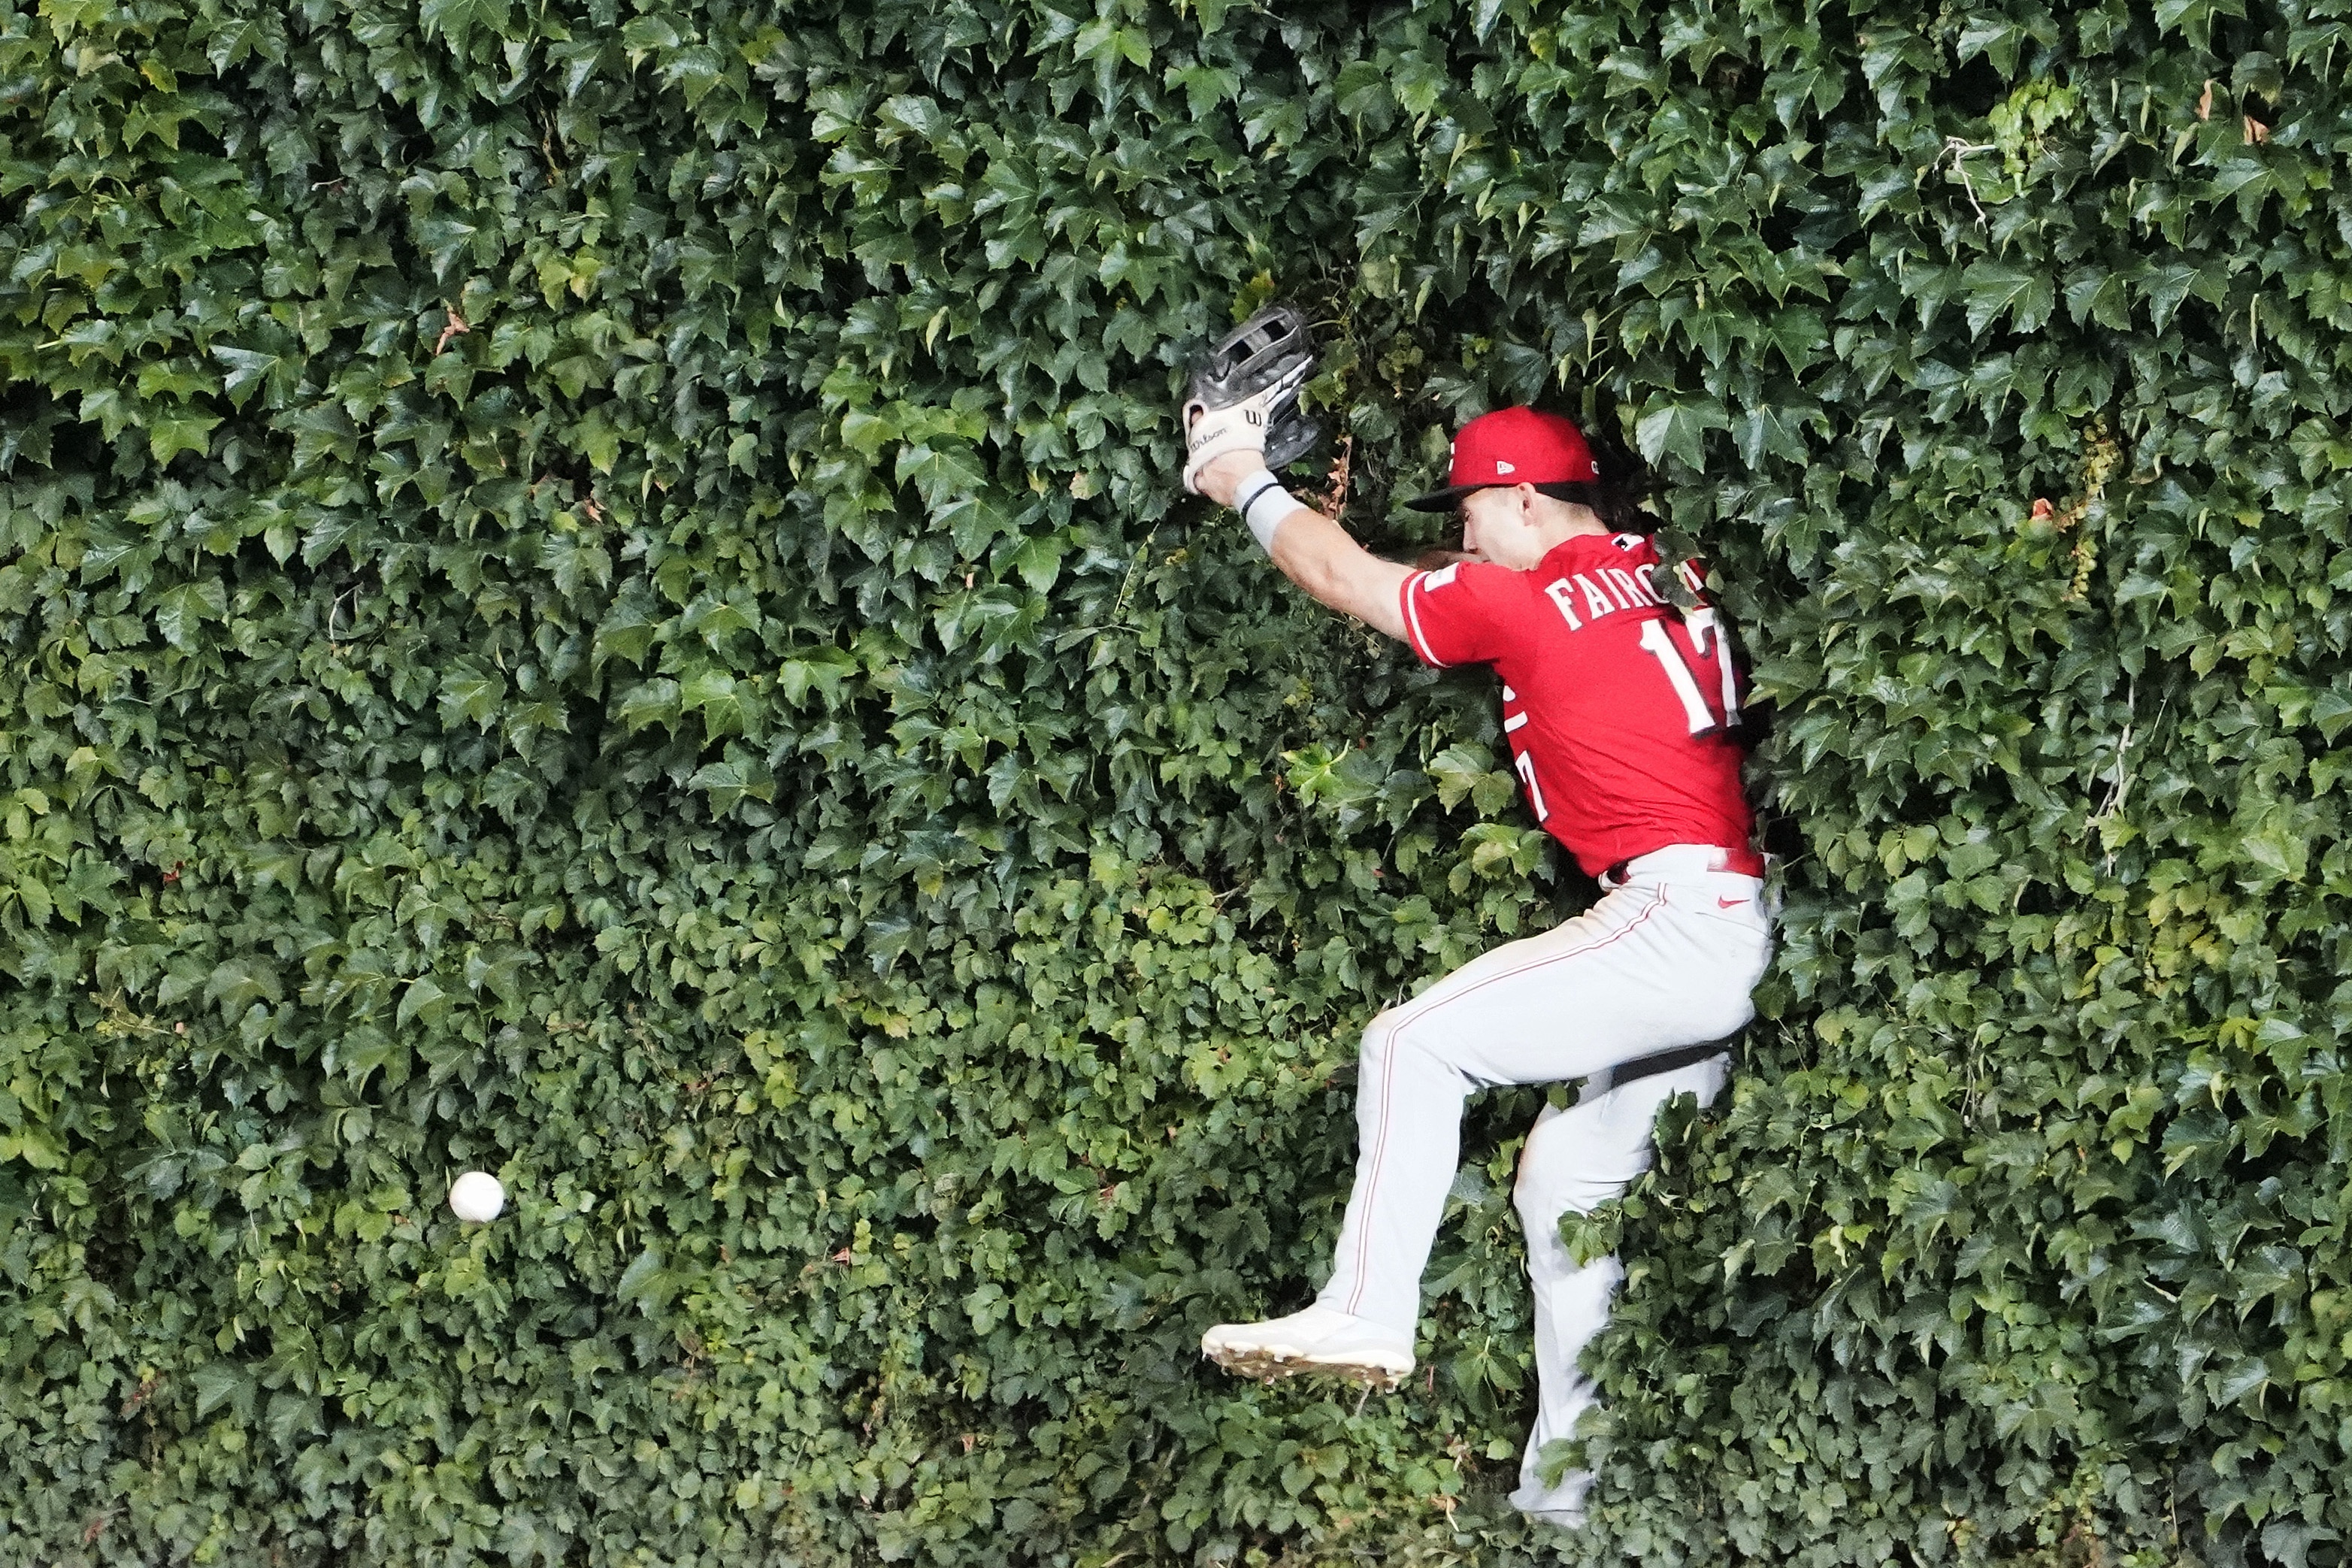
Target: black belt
1633,1072
1679,1057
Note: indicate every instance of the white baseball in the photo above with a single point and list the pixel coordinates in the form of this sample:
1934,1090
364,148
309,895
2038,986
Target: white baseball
477,1196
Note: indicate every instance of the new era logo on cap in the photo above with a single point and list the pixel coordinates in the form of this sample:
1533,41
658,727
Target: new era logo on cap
1512,446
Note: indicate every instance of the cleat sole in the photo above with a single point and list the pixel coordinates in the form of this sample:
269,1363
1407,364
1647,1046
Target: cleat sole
1268,1365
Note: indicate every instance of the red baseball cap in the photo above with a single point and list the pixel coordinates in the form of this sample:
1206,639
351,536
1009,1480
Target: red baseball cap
1512,446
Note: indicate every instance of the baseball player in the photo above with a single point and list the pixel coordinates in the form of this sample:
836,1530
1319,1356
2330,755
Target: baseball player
1621,712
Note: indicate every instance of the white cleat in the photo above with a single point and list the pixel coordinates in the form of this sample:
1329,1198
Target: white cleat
1316,1340
1558,1518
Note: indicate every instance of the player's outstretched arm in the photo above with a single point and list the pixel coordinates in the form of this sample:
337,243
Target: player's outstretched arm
1311,549
1319,555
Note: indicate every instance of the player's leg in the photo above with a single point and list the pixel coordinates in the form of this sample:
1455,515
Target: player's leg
1575,1161
1649,968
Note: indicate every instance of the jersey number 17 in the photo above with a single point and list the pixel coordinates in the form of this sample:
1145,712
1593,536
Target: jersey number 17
1708,642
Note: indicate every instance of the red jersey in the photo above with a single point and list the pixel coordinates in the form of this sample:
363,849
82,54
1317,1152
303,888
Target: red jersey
1617,707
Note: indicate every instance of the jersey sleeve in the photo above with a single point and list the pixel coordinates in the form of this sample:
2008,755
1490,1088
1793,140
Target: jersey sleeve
1462,613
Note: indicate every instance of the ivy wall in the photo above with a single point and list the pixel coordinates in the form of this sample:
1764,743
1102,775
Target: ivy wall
596,590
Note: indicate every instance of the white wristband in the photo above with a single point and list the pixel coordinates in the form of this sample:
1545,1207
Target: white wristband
1264,503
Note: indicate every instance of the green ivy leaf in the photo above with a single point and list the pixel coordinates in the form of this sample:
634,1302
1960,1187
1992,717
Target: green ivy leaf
423,1001
180,610
940,472
1995,290
471,694
458,20
220,1384
170,434
720,698
1676,426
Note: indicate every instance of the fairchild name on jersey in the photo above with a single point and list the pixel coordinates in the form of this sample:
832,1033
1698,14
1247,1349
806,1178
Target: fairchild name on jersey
1605,590
1589,596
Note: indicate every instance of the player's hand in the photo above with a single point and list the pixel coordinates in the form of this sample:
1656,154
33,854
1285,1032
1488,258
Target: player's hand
1242,400
1219,477
1212,434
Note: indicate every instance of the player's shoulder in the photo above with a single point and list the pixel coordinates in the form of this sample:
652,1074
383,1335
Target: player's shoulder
1473,579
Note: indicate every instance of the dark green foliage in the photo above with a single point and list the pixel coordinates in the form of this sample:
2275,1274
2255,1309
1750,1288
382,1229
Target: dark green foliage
594,591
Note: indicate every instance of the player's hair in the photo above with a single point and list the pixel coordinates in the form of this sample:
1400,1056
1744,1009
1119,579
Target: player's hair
1624,483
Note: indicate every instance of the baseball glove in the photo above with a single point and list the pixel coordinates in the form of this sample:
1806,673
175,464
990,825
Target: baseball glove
1243,395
